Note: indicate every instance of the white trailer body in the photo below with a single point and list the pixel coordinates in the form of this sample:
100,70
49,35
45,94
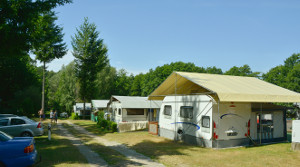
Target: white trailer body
296,131
232,124
296,135
198,119
120,114
180,119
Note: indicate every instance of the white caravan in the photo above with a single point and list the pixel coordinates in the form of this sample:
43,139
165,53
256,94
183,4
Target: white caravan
194,119
198,119
78,109
132,109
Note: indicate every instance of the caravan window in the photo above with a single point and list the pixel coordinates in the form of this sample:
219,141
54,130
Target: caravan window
205,121
168,110
135,111
186,112
119,111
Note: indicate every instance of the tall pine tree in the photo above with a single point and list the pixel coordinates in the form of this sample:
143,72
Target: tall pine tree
90,58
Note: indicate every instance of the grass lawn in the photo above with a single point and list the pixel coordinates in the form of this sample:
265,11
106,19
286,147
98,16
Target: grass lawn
59,151
180,154
112,157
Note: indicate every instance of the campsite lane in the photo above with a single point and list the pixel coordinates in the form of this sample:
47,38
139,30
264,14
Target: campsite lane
93,158
129,153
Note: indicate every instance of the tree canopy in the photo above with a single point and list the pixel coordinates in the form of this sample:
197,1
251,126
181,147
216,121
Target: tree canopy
18,36
18,24
286,75
242,71
49,43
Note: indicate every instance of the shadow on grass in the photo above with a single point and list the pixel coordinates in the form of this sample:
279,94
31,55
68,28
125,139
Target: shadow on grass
112,157
156,149
57,151
289,139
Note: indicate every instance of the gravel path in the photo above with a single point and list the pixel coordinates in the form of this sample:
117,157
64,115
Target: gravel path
93,158
129,153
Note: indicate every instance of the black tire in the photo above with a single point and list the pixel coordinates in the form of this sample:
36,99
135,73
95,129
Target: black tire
26,134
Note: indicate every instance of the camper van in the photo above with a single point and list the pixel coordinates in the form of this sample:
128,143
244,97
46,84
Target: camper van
200,120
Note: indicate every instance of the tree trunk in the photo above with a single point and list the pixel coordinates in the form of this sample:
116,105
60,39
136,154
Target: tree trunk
43,87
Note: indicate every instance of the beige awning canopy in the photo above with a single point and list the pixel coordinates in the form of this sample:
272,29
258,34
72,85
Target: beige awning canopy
226,88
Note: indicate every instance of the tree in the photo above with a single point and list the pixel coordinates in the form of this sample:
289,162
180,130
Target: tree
276,76
67,87
242,71
18,24
136,87
18,28
105,83
90,58
49,43
53,94
214,70
155,77
286,75
292,61
122,83
62,88
293,78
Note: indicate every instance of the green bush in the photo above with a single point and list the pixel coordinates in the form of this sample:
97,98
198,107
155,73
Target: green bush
74,116
101,115
114,126
106,124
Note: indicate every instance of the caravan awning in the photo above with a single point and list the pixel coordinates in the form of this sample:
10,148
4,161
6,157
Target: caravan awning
226,88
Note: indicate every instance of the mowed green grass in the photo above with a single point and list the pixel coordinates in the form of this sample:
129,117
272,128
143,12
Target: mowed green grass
112,157
172,153
59,151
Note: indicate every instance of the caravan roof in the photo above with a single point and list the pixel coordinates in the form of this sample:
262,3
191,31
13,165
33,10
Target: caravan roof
99,103
136,102
226,88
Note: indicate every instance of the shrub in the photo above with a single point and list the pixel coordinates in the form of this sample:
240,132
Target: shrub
101,115
74,116
114,126
106,124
